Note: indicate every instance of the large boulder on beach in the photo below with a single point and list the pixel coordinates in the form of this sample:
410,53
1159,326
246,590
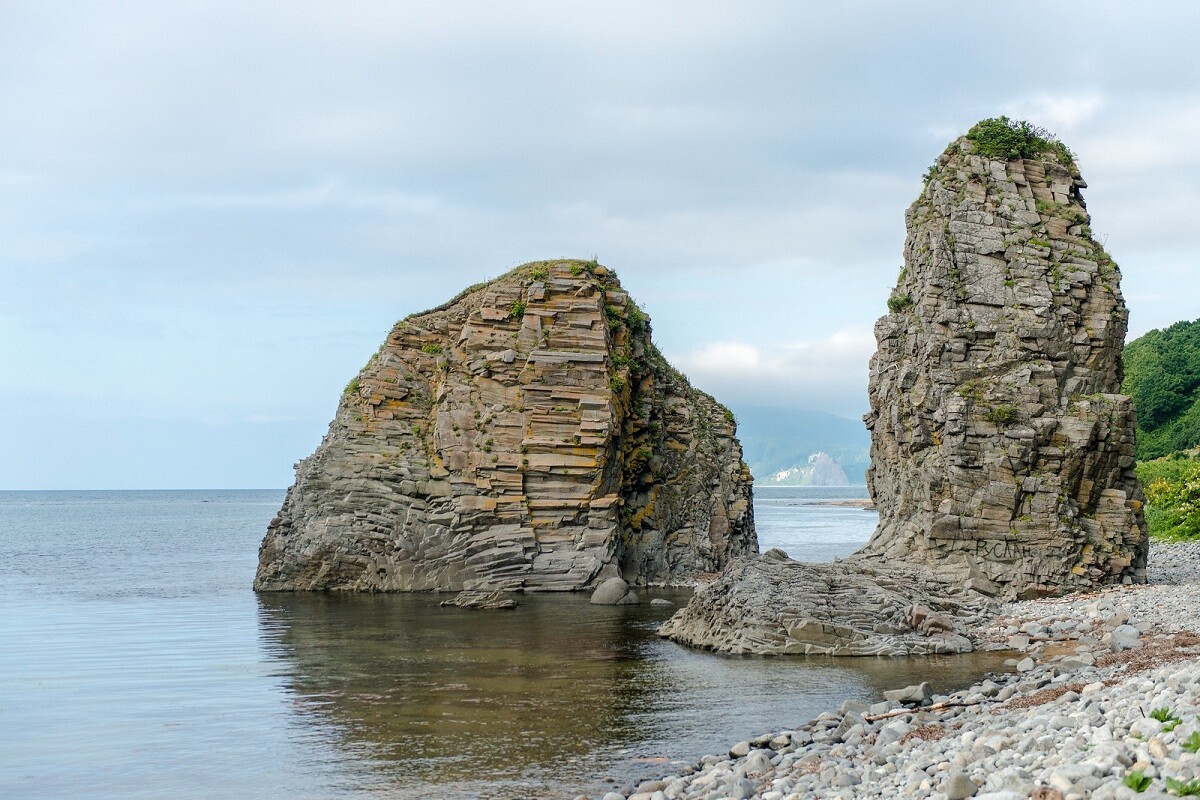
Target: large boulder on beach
1002,451
526,435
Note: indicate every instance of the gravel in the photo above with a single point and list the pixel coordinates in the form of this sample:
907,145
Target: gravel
1105,691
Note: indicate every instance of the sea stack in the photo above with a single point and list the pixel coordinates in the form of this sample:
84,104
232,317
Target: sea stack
1002,455
526,435
1001,447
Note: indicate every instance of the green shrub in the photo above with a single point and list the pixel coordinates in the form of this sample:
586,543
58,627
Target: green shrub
1002,414
1172,487
899,301
1001,137
517,309
635,317
432,349
1192,743
539,273
352,386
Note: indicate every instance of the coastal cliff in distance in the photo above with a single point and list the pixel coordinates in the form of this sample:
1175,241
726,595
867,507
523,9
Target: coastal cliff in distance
526,435
1002,450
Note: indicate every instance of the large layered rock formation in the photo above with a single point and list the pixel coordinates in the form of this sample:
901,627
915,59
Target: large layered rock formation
525,435
1002,451
1001,447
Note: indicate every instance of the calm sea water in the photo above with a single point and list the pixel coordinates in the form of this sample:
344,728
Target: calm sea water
136,662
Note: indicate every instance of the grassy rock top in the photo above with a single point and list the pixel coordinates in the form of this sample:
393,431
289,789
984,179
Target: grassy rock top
1001,137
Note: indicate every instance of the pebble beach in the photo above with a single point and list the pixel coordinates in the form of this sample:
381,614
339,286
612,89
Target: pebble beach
1103,702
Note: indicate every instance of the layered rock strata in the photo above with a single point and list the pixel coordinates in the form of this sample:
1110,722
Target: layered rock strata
1002,451
1001,447
526,435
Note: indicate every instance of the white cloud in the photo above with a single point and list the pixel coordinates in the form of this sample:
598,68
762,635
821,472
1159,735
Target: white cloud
329,193
1058,113
826,374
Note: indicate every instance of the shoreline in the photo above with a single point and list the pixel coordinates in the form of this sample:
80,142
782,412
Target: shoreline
1075,719
866,505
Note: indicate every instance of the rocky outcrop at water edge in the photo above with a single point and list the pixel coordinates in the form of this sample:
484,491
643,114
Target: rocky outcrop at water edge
526,435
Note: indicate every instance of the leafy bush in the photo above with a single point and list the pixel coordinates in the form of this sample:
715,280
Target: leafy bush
352,386
517,309
1001,137
539,273
432,349
635,317
1172,487
1002,414
899,301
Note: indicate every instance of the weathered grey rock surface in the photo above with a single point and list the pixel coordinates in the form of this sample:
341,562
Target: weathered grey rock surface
771,605
614,592
526,435
482,600
1001,447
1002,452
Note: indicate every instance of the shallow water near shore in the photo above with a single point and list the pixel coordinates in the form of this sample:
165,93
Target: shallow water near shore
137,663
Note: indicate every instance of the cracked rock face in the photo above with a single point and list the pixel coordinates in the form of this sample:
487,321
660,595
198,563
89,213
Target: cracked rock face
1002,450
526,435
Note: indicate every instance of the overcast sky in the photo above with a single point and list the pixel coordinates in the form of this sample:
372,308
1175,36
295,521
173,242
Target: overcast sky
211,213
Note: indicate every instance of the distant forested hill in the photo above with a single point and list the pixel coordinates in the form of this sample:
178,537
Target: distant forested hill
1162,375
780,440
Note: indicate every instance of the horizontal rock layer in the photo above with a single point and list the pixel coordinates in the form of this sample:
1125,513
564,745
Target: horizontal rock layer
526,435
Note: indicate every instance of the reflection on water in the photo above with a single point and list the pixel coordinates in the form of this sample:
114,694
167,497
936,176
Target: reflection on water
545,700
136,662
